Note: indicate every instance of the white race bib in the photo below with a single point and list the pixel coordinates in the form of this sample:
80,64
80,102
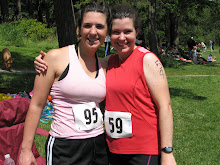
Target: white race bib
118,124
87,116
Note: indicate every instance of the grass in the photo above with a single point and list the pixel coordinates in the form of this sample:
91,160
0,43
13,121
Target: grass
24,56
194,91
195,103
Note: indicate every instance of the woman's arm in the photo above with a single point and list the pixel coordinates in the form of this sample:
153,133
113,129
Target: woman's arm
41,65
157,82
42,85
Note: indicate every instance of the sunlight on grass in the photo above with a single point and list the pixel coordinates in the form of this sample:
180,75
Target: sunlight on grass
195,103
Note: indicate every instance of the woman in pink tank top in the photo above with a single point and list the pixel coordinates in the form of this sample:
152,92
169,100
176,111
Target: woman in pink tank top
84,140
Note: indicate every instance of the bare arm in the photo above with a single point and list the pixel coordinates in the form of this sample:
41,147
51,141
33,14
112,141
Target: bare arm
157,82
41,90
41,65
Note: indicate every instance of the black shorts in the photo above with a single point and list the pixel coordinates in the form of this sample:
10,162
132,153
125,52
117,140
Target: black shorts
133,159
91,151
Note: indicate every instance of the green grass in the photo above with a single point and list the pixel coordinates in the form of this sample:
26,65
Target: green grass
24,56
195,103
17,82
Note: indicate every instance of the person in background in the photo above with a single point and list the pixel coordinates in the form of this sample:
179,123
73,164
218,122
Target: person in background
107,45
191,42
211,45
203,46
194,54
138,116
76,81
210,58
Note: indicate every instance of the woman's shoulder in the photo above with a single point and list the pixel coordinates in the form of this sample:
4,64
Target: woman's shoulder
150,56
56,53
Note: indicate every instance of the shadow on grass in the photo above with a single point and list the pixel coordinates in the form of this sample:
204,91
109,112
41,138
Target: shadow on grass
212,64
184,93
22,61
16,82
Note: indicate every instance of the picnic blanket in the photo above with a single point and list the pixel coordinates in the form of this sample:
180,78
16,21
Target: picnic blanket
12,116
48,110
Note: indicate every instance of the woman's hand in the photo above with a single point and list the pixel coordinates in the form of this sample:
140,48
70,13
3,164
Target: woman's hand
27,158
39,64
168,159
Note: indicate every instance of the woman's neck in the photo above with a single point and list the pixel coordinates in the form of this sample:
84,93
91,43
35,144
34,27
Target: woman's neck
123,56
86,54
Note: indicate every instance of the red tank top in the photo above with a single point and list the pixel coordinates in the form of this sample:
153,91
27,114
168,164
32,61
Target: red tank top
127,91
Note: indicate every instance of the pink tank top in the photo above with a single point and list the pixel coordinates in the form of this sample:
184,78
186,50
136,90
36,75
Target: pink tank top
71,97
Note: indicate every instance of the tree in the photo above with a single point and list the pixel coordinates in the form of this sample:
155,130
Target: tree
19,9
4,10
153,43
66,28
30,8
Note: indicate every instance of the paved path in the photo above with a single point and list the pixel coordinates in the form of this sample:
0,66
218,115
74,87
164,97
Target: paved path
17,71
192,75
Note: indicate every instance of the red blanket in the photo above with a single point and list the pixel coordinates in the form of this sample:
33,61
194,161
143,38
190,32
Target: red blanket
12,116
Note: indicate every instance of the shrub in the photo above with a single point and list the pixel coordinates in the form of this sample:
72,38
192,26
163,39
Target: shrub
11,34
169,62
35,30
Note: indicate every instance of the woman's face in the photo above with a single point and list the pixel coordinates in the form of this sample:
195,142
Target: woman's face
123,36
93,29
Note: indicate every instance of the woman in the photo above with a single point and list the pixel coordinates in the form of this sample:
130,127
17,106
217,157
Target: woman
77,134
137,100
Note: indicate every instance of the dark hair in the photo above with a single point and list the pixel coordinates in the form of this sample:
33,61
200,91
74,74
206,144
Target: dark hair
126,11
94,6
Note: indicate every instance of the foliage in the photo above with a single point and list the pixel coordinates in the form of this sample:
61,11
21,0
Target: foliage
17,33
11,34
196,18
169,62
35,30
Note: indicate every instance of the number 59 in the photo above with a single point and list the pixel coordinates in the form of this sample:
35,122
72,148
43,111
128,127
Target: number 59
115,124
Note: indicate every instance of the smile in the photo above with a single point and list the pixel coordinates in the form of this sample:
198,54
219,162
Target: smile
122,45
93,40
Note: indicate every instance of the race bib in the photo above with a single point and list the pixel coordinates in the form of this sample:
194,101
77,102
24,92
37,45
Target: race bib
87,116
118,124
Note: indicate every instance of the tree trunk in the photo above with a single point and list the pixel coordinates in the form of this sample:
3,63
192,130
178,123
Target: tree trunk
4,10
152,27
30,9
19,9
66,28
174,29
39,11
167,33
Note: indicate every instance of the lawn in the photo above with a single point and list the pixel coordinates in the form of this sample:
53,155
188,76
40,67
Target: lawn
195,103
194,91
